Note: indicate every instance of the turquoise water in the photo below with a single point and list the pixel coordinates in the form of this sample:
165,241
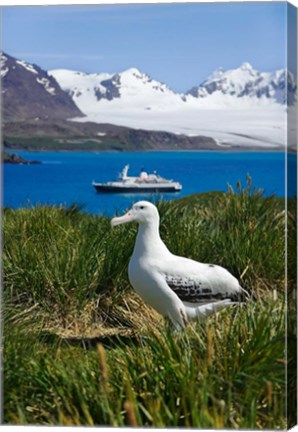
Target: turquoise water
66,177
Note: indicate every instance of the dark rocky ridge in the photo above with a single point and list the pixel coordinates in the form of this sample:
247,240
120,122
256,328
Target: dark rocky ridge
15,159
112,88
28,92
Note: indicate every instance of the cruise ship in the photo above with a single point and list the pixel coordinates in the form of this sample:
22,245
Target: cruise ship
143,183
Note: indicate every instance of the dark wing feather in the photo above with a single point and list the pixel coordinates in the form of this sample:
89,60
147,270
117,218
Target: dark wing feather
193,291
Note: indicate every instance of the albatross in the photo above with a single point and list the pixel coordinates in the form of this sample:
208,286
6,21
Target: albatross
179,288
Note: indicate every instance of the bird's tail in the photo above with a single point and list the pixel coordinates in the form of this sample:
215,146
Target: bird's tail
245,295
241,296
204,311
201,312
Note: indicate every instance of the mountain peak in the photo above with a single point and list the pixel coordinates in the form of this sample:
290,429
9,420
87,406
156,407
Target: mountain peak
246,67
217,74
133,71
247,83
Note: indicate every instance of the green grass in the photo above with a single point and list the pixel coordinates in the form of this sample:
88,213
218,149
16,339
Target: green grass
227,374
66,289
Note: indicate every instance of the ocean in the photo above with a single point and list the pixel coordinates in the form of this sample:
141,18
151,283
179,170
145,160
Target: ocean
66,177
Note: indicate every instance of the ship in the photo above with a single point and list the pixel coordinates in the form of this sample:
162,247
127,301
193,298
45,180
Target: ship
150,183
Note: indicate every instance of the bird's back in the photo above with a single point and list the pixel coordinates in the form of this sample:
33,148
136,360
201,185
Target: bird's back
199,283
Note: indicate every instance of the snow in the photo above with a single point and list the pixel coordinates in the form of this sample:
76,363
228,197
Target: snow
251,126
29,67
4,70
142,88
47,85
88,90
131,98
235,78
79,84
245,81
233,81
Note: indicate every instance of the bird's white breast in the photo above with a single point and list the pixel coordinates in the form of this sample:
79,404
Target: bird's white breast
149,283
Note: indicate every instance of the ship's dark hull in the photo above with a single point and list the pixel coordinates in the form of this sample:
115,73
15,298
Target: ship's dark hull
131,189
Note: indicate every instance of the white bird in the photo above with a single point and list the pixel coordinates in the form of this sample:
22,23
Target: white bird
178,288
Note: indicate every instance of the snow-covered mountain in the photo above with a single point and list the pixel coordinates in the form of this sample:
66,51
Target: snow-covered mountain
240,106
130,88
236,107
28,92
134,89
247,84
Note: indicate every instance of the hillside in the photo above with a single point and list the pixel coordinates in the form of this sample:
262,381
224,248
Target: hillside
29,92
88,136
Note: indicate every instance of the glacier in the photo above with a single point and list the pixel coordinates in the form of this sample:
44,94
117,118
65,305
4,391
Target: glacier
236,107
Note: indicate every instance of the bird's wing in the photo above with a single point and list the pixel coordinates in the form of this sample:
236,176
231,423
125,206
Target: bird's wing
199,283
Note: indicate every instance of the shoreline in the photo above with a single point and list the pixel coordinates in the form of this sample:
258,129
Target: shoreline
211,150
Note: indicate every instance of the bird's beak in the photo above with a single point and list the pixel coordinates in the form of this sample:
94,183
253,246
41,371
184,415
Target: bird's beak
128,217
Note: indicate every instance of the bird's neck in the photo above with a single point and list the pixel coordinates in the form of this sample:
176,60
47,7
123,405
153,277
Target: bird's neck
148,241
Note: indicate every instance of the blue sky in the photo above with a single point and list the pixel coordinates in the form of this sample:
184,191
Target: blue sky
179,44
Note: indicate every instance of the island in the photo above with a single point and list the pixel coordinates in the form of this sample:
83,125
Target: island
15,159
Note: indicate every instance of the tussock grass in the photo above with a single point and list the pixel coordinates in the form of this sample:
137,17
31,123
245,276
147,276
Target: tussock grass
62,259
229,374
65,279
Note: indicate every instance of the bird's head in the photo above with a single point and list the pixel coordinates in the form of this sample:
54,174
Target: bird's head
142,212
